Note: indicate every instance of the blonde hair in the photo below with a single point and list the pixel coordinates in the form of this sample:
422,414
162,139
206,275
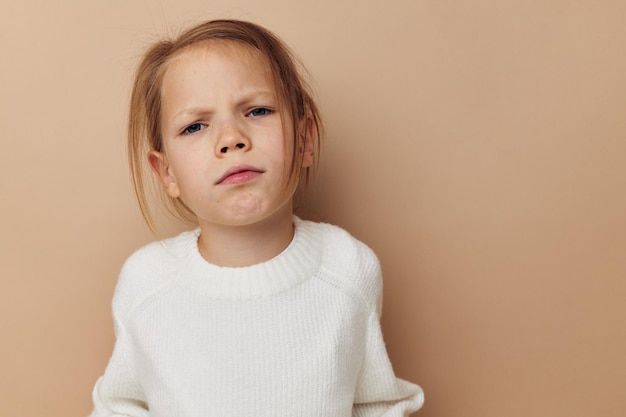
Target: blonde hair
144,123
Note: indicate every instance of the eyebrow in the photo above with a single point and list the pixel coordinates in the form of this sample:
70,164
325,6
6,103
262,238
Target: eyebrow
245,97
253,94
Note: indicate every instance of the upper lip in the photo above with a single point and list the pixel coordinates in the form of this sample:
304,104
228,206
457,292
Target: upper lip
237,169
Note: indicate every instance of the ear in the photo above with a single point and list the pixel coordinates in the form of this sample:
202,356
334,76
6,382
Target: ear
308,131
161,168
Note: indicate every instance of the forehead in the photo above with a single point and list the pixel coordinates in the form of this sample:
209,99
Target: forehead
205,56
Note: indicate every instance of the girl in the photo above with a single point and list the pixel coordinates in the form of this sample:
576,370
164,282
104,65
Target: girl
256,312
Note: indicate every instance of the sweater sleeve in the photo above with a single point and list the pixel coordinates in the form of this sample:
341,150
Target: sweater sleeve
379,393
117,392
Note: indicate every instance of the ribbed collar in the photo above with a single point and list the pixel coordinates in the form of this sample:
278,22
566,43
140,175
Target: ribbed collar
298,262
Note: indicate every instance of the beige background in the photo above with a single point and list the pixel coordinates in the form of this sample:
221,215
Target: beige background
477,146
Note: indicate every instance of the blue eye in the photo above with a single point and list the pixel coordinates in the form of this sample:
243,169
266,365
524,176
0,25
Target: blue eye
193,128
260,111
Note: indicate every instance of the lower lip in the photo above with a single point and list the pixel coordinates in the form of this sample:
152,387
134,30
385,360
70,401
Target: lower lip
240,177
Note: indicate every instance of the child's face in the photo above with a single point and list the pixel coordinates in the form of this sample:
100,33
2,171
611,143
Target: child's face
225,154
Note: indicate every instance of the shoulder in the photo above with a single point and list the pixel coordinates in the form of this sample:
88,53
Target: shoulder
350,265
149,269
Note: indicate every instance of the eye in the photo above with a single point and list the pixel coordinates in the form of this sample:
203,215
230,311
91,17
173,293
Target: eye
260,111
193,128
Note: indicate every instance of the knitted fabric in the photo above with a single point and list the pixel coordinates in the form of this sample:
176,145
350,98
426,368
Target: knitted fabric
296,336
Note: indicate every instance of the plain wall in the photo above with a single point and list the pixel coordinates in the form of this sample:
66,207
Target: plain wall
477,146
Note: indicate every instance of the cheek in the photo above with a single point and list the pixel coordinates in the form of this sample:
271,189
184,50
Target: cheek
189,162
276,151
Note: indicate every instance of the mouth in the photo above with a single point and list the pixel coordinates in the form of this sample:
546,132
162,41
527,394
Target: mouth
239,174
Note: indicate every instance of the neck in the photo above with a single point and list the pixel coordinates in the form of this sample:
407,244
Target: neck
238,246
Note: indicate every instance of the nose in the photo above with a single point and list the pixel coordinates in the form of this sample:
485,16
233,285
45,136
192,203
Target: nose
231,138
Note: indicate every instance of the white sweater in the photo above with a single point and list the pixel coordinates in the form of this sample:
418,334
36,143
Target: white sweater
296,336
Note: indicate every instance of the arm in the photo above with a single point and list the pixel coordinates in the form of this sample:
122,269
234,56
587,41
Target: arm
379,393
117,393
